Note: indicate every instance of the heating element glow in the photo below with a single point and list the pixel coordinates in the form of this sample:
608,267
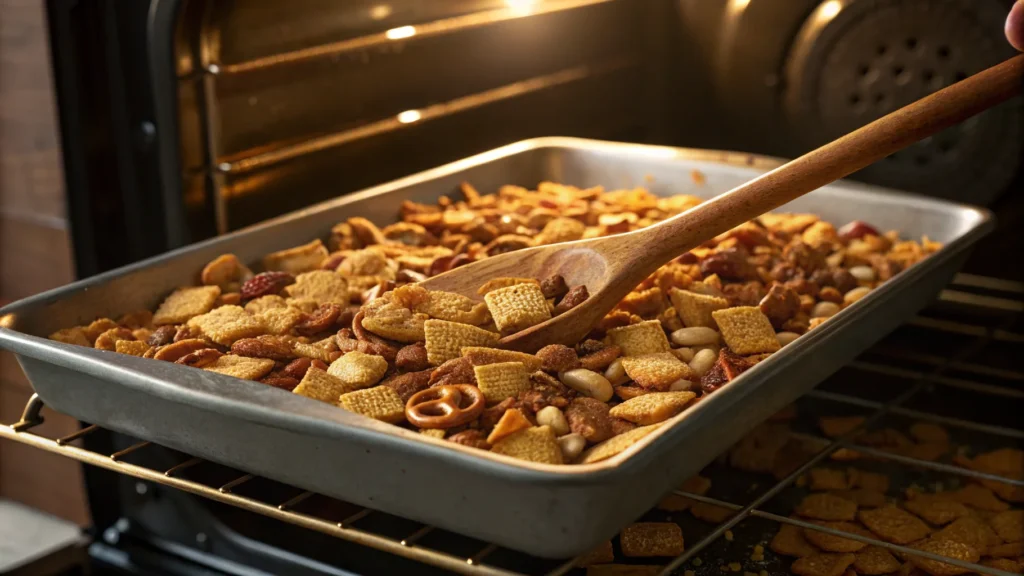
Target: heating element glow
409,116
401,32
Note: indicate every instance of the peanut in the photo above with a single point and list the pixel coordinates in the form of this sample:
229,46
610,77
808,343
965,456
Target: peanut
786,337
855,294
571,445
824,310
695,336
588,383
703,361
553,417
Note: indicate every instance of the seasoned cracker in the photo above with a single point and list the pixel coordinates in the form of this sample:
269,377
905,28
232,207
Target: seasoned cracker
615,445
822,564
502,380
949,549
695,309
319,385
226,324
790,541
74,336
831,543
445,340
297,260
390,320
647,539
366,262
746,330
1009,525
936,508
511,421
241,367
867,480
828,479
875,560
971,531
379,403
517,307
827,507
279,321
442,305
481,356
320,286
652,408
894,524
657,371
184,304
640,339
602,554
711,513
535,444
978,497
495,283
131,347
263,303
358,370
836,426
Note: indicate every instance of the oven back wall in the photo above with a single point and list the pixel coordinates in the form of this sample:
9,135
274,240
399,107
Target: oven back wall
34,246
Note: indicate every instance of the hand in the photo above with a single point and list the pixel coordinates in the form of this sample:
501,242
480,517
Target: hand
1015,25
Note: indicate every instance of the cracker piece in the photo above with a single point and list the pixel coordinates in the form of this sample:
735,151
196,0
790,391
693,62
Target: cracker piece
831,543
695,485
481,356
836,426
652,408
131,347
279,321
615,445
241,366
867,480
511,421
517,307
828,479
746,330
535,444
264,303
863,497
502,380
971,531
978,497
929,433
358,370
319,385
1009,525
74,336
790,541
695,309
602,554
647,539
822,565
640,339
827,507
711,513
226,324
445,340
936,508
894,524
297,260
390,320
949,549
434,432
623,570
875,560
657,371
186,303
380,403
321,286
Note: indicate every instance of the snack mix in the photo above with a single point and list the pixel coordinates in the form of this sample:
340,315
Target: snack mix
344,322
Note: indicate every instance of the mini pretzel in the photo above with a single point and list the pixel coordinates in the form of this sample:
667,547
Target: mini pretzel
445,406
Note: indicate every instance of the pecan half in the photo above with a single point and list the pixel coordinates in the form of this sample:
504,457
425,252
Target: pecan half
283,382
266,283
405,385
200,358
577,295
472,438
601,359
558,358
589,418
412,358
272,347
296,368
554,286
175,350
455,371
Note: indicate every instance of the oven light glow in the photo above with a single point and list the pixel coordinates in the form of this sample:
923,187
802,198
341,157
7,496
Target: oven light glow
409,116
380,11
829,9
737,6
525,6
401,32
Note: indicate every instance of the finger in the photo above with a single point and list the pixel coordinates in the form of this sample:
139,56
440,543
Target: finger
1015,25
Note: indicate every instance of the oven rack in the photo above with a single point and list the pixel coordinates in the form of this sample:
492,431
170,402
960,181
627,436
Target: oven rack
994,303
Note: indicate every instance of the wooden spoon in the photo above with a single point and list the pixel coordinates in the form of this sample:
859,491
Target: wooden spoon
612,266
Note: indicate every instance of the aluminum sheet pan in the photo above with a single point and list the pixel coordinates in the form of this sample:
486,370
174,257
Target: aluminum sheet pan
539,509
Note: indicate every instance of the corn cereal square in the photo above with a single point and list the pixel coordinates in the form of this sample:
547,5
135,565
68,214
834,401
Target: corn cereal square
936,508
319,385
894,524
949,549
502,380
828,479
746,330
241,367
971,531
831,543
615,445
186,303
652,408
312,351
517,307
495,283
226,324
827,507
790,541
657,371
1009,525
358,370
297,260
131,347
395,322
646,539
642,338
321,286
874,561
379,403
445,340
279,320
536,444
480,356
695,309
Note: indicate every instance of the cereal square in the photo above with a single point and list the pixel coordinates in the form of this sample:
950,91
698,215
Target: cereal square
319,385
657,371
615,445
264,303
496,283
971,531
711,512
868,480
827,507
186,303
746,330
502,380
979,497
828,479
695,309
517,307
279,320
445,340
481,356
836,426
74,335
443,305
226,324
241,367
641,338
379,403
390,320
822,565
894,524
131,347
790,541
652,408
935,508
536,444
949,549
297,260
830,543
874,561
1009,525
434,432
646,539
358,370
311,351
321,286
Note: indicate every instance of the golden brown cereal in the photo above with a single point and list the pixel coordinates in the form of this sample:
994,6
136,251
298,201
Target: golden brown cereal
1008,462
97,327
358,370
827,507
74,335
949,549
131,347
264,303
646,539
241,367
297,260
823,564
831,543
615,445
389,320
894,525
536,444
936,508
108,339
319,385
828,479
746,330
875,560
443,305
560,230
445,340
790,541
652,408
867,480
640,339
711,513
517,307
602,554
695,309
312,351
379,403
434,432
184,304
480,356
502,380
657,371
320,286
366,262
1009,525
971,531
226,324
979,497
495,283
512,421
279,321
836,426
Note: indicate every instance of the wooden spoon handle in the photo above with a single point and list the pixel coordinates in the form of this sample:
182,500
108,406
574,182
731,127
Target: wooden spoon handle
831,162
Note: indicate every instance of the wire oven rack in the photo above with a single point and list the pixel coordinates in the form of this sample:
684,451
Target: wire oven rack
954,364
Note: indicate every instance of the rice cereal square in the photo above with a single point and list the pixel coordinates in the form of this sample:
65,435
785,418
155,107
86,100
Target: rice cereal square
226,324
380,403
517,307
502,380
241,367
657,371
535,444
186,303
641,338
746,330
445,340
695,309
319,385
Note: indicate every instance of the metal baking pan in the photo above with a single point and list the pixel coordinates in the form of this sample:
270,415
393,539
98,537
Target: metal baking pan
544,510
